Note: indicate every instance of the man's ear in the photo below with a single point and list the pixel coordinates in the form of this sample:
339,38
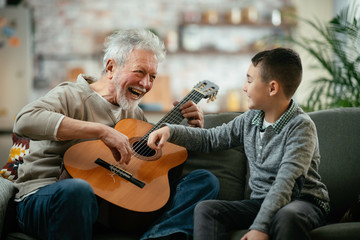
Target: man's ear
274,87
110,68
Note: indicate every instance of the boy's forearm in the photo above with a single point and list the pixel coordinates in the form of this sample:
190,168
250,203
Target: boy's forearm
193,139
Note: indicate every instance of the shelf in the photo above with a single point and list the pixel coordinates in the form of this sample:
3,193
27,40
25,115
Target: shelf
68,57
212,52
226,38
225,24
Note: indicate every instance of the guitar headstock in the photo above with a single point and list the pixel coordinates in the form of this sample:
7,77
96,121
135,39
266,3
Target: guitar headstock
208,89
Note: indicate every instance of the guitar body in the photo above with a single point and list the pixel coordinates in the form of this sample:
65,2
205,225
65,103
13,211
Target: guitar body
149,168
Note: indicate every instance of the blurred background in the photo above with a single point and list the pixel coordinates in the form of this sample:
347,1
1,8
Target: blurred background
46,42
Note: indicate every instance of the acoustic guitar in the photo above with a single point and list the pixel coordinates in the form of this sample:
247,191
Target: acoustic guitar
143,184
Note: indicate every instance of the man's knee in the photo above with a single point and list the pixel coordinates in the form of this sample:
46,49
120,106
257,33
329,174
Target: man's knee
206,179
75,187
76,191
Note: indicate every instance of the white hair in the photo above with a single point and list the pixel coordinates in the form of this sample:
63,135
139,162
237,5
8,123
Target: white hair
120,44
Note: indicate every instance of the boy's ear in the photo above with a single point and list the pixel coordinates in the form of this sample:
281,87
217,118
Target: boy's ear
274,87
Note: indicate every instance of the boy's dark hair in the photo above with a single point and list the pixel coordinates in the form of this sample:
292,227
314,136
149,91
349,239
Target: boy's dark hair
281,64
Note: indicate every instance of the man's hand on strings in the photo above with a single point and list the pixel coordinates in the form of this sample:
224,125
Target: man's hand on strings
118,144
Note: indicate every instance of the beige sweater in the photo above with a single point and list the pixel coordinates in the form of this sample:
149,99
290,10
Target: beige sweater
40,119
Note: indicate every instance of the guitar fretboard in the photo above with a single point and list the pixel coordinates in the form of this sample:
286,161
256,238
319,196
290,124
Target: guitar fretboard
204,89
175,116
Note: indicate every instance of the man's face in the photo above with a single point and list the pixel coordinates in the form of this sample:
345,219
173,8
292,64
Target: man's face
256,90
135,78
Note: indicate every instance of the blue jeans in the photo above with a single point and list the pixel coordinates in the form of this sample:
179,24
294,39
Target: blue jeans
63,210
194,187
215,218
68,209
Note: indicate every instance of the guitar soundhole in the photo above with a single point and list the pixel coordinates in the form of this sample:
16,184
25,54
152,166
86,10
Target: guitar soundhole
142,151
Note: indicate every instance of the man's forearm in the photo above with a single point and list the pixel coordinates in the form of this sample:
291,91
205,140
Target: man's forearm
76,129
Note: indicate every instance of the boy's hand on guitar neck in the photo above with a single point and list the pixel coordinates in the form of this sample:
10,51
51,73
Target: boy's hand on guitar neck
189,110
193,113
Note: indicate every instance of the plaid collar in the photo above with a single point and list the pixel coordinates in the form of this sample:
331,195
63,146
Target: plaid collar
280,123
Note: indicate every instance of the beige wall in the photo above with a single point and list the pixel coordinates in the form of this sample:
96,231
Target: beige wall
321,10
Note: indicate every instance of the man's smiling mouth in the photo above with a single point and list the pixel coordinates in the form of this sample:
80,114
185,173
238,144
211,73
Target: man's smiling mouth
136,93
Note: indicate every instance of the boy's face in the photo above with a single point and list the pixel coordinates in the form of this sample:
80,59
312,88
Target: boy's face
256,90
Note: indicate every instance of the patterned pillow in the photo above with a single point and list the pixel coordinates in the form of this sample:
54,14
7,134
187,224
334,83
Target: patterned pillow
18,150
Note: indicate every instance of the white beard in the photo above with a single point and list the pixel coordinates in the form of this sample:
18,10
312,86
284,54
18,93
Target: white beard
125,103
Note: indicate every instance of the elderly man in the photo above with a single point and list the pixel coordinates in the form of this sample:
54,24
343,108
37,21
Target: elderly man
89,109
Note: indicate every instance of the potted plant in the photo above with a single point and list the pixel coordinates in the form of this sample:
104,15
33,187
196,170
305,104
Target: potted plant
338,52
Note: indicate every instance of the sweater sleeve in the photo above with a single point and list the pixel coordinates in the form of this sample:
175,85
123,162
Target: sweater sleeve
207,140
40,119
301,143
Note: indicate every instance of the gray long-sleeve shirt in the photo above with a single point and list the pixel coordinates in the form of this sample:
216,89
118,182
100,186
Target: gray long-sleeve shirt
286,152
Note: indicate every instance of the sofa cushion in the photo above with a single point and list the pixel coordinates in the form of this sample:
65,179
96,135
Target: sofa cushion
339,131
339,231
228,166
19,236
348,231
19,148
7,191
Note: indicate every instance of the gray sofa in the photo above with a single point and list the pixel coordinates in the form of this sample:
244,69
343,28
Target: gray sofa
339,138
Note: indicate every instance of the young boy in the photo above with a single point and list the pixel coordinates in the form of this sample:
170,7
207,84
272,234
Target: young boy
288,199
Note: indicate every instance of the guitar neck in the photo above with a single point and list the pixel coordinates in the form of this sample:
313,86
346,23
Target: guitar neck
175,116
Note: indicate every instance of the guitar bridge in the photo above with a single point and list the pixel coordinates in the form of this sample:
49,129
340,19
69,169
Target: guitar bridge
120,172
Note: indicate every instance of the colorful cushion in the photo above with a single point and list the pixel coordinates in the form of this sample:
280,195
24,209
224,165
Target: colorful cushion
18,150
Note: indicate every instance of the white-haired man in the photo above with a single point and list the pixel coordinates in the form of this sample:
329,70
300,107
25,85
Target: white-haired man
89,109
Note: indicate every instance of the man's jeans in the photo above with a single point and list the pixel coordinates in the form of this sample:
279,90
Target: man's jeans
214,219
194,187
68,209
63,210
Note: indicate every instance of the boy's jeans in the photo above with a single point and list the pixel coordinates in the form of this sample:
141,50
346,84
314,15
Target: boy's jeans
214,219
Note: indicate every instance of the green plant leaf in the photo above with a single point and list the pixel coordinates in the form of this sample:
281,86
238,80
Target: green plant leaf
337,51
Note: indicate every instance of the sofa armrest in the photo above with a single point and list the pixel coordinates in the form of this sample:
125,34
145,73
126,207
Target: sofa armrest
7,192
338,131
